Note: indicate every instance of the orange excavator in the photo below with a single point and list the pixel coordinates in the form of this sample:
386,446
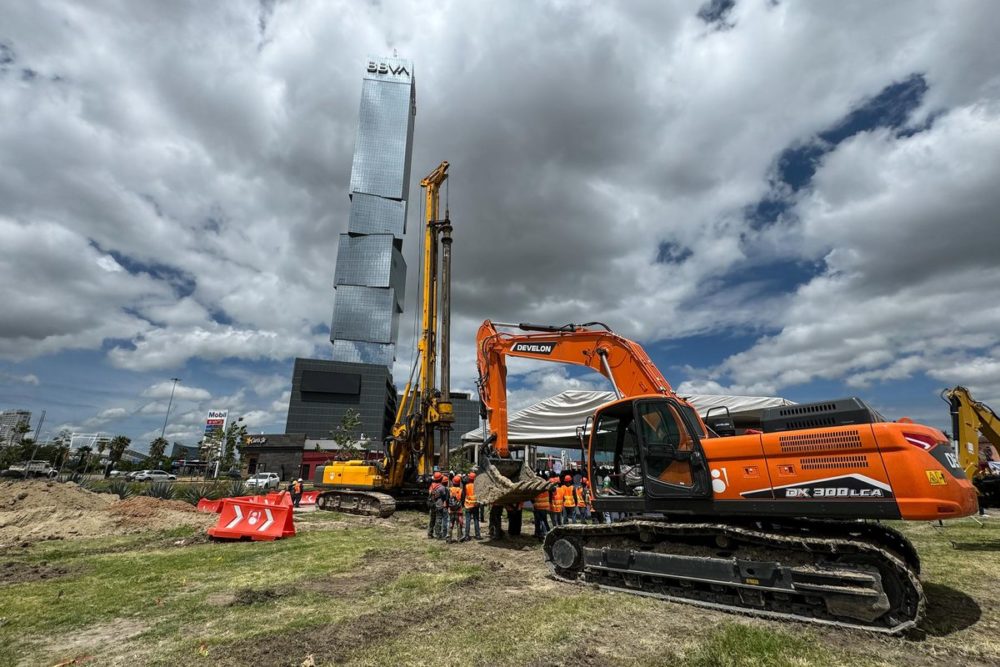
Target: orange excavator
780,522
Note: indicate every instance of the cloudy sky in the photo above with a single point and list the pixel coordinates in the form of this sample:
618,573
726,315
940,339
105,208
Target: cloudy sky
795,199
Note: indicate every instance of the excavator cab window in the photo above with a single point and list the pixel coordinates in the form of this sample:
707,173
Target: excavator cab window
615,451
671,453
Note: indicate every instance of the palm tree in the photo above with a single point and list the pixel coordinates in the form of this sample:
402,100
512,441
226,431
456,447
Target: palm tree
118,445
156,449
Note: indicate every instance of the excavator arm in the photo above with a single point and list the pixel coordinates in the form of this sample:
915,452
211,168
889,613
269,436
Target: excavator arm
969,419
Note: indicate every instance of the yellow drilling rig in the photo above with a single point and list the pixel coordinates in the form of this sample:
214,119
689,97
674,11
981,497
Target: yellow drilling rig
424,414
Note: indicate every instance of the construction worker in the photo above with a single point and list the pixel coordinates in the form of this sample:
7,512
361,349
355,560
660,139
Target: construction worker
555,501
442,498
455,498
584,509
568,492
471,508
432,509
296,492
540,508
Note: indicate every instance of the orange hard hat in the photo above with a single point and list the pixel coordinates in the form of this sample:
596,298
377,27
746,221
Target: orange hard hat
437,476
472,476
567,478
457,479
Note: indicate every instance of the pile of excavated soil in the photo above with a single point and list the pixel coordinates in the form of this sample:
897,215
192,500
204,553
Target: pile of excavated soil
144,512
35,510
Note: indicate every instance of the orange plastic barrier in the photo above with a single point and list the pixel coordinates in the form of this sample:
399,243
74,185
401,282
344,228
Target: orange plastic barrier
308,497
280,498
206,505
244,519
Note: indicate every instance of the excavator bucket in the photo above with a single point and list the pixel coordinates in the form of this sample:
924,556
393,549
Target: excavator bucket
505,481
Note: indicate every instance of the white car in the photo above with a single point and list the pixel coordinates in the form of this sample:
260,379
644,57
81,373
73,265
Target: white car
154,476
264,480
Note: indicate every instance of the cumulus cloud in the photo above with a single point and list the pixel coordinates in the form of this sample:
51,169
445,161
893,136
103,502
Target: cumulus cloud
180,391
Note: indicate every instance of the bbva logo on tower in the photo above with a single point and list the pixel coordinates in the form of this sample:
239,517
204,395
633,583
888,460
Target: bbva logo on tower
382,68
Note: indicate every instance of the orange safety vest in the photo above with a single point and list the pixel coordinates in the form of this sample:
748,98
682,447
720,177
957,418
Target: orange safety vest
583,496
541,501
470,495
456,493
297,487
568,495
557,501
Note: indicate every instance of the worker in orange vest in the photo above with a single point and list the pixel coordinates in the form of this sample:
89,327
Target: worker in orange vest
296,492
585,509
568,492
555,501
455,507
433,513
540,508
471,508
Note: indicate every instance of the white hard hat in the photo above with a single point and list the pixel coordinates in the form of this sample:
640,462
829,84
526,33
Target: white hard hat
300,479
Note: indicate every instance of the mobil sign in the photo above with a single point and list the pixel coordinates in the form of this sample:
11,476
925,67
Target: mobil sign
216,420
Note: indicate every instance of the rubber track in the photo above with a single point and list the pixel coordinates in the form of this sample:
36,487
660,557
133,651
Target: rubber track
820,539
362,503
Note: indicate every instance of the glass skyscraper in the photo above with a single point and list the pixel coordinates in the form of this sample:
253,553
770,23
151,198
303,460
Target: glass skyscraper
370,277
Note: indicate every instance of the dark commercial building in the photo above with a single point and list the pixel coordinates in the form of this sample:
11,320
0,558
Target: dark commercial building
466,417
323,391
273,452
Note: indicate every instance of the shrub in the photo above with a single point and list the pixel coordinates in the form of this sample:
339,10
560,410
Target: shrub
195,492
161,490
122,489
237,488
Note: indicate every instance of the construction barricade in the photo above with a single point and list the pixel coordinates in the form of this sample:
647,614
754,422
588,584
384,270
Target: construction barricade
206,505
244,519
308,497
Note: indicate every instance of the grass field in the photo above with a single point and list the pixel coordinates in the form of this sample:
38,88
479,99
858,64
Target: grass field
376,592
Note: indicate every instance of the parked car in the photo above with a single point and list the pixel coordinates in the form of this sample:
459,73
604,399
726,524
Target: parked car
118,473
264,480
231,474
154,476
135,473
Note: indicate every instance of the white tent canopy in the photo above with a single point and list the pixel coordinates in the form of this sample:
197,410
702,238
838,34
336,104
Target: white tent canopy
555,420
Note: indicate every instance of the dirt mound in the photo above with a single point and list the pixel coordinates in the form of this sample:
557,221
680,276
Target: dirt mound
16,495
43,510
143,512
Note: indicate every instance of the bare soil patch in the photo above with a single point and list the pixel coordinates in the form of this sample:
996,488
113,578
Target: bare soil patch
332,643
16,573
35,510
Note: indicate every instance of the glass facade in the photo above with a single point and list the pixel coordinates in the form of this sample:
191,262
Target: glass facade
370,277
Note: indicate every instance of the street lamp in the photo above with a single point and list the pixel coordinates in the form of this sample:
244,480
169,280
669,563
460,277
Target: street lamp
169,403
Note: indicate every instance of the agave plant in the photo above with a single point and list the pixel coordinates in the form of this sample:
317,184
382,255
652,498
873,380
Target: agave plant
195,492
121,488
161,490
237,488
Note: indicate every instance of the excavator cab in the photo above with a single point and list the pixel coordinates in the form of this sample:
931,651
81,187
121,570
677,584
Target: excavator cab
646,447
